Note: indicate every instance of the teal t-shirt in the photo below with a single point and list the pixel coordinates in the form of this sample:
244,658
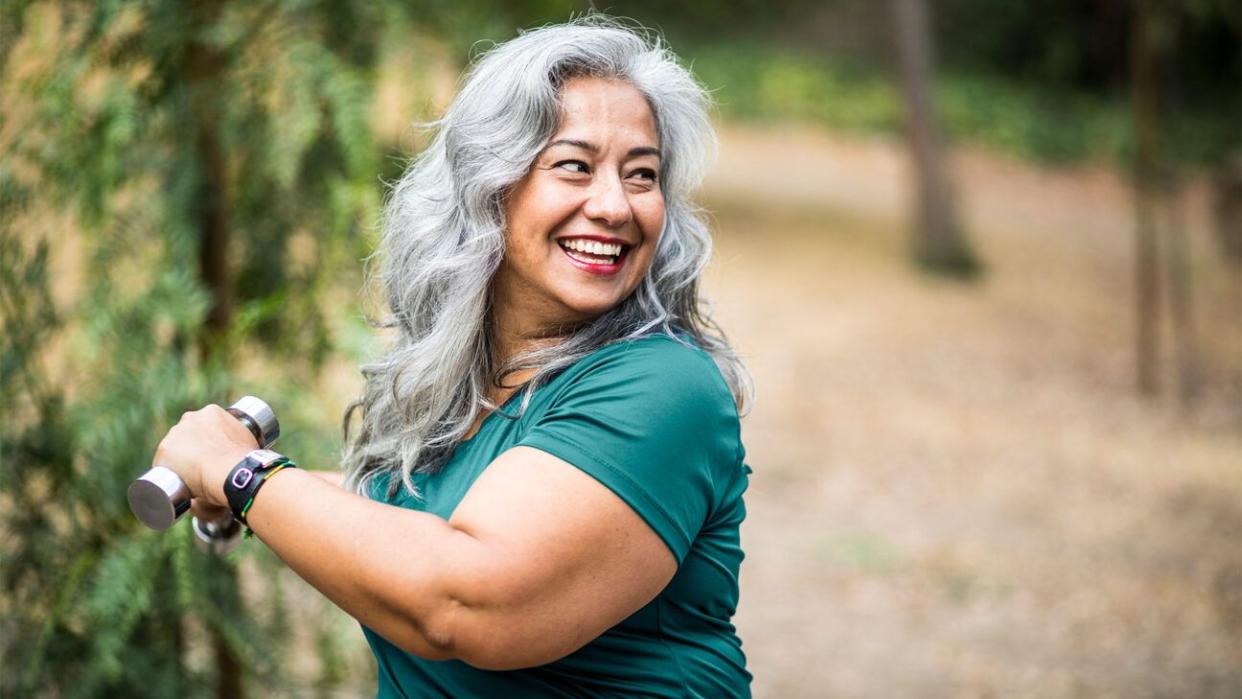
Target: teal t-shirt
653,420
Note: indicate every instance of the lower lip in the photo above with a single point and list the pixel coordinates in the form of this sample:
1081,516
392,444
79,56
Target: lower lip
601,270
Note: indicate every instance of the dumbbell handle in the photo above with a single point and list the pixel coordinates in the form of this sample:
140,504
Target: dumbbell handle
159,497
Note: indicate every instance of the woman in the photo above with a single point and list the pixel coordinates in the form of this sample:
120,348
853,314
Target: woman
546,487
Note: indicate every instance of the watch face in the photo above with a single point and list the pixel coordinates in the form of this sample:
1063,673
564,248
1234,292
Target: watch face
264,456
242,477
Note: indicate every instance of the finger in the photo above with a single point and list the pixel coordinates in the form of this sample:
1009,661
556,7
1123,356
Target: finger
206,511
231,426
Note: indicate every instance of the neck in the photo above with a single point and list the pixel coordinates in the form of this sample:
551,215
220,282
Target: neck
514,333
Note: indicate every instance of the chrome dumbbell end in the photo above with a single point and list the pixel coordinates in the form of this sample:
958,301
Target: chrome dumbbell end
259,418
159,498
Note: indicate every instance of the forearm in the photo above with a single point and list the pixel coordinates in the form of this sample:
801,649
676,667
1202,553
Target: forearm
538,558
388,567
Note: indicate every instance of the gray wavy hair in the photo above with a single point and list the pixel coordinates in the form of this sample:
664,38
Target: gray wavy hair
443,240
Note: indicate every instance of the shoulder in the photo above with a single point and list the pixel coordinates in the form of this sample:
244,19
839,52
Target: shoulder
658,382
653,420
654,370
676,362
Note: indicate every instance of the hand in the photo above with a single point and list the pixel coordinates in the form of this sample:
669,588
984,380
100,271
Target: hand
202,448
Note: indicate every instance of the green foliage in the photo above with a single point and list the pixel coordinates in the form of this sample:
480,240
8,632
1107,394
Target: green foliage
762,82
759,81
127,125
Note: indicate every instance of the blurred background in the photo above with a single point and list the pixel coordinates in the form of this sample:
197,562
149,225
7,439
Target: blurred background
984,258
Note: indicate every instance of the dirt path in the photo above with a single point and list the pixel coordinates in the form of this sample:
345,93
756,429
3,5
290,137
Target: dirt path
956,491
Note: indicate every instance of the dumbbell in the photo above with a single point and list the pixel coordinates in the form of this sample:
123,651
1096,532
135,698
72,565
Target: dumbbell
159,497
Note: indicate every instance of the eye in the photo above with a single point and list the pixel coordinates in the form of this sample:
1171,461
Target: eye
574,166
645,173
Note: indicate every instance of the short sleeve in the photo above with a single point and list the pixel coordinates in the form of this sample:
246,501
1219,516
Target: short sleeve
654,422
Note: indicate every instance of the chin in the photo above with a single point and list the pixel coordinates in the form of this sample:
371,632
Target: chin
590,308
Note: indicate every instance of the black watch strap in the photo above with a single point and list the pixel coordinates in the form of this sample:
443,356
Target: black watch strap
248,476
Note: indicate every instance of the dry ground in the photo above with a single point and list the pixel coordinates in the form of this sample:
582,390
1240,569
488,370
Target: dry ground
956,490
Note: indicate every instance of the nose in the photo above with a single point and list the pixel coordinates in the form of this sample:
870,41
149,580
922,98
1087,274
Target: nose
608,203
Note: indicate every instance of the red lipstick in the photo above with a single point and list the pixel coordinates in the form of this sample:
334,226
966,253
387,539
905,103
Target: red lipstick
596,268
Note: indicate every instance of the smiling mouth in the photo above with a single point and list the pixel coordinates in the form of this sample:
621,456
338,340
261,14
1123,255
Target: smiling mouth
591,252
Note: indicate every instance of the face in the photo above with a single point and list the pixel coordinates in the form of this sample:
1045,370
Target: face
584,222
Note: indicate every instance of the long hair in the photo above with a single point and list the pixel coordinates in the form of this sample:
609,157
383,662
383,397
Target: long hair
443,240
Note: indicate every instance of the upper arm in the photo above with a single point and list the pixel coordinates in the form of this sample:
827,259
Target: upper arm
334,477
559,559
586,520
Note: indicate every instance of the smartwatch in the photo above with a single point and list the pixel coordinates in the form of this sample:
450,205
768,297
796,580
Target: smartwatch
248,476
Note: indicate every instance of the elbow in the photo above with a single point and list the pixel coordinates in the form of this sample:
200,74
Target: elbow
476,637
501,651
432,636
497,625
486,638
487,649
489,640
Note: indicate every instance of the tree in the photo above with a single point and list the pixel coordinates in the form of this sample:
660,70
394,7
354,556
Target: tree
187,151
1147,253
939,244
1157,201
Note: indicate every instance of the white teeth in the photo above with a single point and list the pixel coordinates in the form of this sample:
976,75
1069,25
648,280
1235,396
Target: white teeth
592,247
590,260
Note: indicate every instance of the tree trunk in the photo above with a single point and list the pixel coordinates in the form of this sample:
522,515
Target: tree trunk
205,65
939,243
1179,267
1147,251
1181,301
1227,207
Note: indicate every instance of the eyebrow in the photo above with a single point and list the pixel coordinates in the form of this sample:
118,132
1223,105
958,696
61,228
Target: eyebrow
591,147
